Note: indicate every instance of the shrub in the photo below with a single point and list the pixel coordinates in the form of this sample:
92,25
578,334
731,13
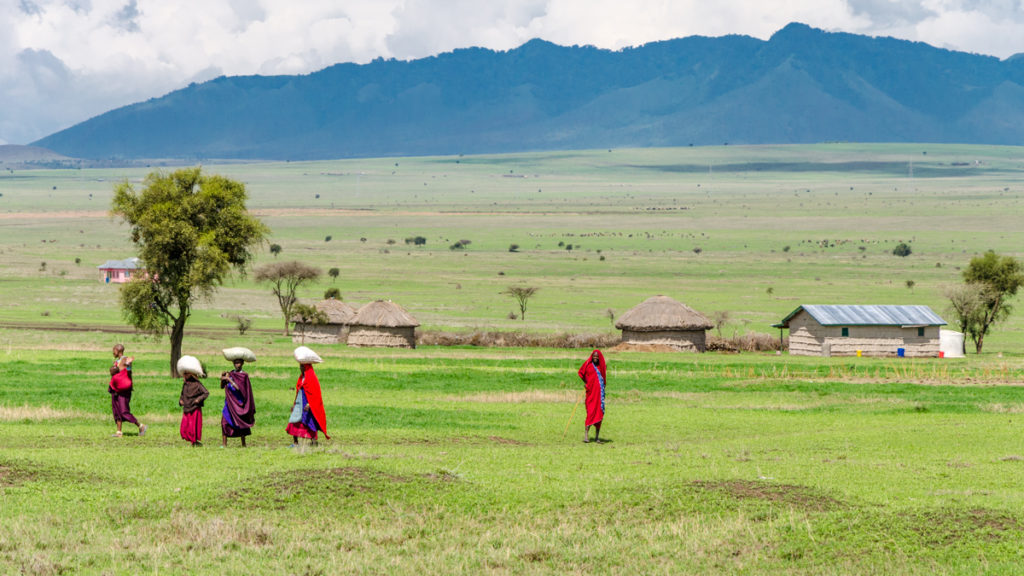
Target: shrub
332,292
902,250
242,324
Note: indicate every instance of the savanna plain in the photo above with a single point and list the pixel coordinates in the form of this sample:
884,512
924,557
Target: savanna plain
458,459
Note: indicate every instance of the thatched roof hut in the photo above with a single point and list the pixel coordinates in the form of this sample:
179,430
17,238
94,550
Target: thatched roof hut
383,323
334,331
663,321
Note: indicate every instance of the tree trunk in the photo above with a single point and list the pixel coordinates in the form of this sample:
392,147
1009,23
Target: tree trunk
177,336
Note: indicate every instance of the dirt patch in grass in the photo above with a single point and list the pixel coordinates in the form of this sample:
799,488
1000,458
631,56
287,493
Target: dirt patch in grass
354,478
944,527
13,475
500,440
443,476
799,497
327,487
18,473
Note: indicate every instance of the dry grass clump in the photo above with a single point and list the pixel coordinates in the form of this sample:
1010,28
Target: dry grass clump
37,413
485,339
749,342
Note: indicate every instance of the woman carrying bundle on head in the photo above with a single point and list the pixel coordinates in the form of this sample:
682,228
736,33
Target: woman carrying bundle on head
308,417
193,394
239,413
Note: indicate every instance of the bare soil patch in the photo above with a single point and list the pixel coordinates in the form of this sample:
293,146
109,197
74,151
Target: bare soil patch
15,474
949,526
800,497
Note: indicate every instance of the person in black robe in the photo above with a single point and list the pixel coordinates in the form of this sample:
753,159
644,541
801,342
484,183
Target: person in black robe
239,413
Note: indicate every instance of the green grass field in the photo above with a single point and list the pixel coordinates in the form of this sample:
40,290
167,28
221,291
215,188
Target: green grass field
452,460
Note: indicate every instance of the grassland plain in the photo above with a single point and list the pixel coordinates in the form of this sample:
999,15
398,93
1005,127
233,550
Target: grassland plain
452,460
446,460
754,231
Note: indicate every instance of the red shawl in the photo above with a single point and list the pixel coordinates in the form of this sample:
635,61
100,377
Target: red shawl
592,386
121,381
309,384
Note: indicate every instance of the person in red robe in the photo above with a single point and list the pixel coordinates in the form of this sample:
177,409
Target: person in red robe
120,390
308,417
193,394
594,375
239,413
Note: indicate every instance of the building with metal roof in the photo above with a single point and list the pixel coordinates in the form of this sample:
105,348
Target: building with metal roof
119,271
863,330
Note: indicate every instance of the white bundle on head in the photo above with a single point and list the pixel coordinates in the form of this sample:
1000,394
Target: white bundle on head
191,365
304,355
239,353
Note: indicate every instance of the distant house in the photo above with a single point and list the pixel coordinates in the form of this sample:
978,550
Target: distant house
843,330
120,271
334,331
663,321
383,323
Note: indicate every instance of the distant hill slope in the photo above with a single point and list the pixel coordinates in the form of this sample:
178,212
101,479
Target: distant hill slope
802,85
14,156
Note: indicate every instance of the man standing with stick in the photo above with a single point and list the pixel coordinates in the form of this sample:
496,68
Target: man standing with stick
593,372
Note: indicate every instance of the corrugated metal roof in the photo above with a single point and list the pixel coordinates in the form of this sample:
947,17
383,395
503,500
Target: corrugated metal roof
867,315
129,264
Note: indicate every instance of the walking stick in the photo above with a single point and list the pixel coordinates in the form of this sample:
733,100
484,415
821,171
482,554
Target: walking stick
574,406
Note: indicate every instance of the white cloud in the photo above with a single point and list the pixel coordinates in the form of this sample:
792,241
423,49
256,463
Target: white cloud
62,61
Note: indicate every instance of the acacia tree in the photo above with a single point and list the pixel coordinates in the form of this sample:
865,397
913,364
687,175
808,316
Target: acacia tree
285,279
998,278
966,305
191,230
522,295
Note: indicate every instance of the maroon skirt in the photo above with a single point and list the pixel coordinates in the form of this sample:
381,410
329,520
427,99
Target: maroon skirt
192,426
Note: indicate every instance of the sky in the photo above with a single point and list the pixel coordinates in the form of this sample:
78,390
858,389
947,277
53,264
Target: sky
65,61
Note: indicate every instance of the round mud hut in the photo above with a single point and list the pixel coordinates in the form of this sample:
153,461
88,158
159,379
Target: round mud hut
385,324
663,321
334,331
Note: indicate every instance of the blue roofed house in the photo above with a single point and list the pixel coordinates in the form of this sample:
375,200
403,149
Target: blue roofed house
843,330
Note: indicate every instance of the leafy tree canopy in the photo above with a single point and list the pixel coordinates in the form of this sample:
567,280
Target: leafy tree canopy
191,230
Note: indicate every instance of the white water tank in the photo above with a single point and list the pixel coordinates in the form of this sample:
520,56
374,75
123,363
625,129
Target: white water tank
951,343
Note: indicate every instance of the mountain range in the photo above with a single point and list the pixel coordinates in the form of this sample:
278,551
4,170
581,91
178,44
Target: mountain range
802,85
